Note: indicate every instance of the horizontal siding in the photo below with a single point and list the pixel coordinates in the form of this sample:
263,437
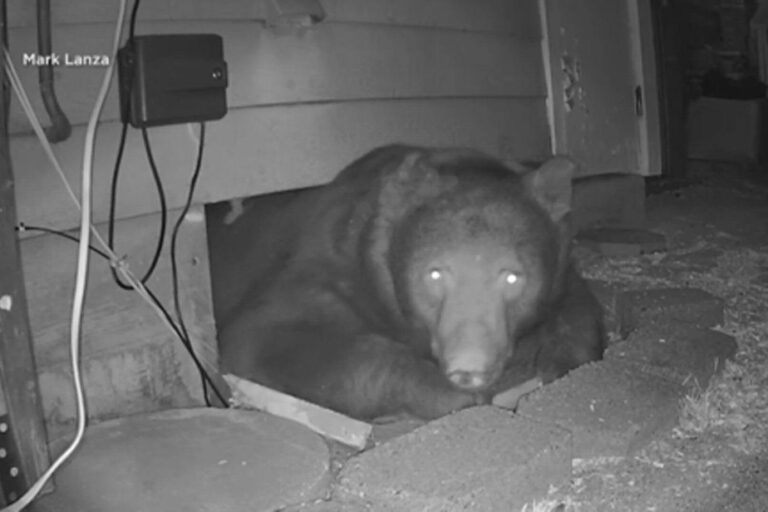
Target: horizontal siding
334,62
303,103
516,17
259,150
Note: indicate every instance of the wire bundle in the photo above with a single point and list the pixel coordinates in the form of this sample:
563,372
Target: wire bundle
119,267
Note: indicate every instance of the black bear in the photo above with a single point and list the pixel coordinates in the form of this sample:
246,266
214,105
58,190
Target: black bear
419,281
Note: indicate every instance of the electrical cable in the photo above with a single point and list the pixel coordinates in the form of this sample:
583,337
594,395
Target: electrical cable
184,338
174,238
179,329
116,175
184,334
113,201
81,276
21,227
132,22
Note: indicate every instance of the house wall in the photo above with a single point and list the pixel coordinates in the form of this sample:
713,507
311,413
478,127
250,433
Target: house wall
302,102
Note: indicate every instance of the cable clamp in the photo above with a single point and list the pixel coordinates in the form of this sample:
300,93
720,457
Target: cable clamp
119,263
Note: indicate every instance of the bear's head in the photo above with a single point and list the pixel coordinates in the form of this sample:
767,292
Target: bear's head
481,261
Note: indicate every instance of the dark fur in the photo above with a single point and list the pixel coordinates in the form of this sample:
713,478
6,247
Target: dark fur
312,296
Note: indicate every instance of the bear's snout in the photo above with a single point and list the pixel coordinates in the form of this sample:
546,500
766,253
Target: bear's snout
470,380
472,357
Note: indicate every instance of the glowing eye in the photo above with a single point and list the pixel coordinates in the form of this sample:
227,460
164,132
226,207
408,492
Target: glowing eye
511,277
435,275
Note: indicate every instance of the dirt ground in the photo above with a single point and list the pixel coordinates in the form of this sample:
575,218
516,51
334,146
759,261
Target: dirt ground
716,224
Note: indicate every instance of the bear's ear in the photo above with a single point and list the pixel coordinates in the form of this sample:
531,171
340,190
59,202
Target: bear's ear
412,182
551,186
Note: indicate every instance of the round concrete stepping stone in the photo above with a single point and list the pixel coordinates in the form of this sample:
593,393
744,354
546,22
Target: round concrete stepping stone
192,460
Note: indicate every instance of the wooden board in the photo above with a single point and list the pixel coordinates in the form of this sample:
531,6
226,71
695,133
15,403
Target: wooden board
332,62
260,150
517,17
18,386
247,394
131,361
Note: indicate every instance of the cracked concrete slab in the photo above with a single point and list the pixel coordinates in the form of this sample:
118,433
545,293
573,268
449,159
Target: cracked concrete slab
480,459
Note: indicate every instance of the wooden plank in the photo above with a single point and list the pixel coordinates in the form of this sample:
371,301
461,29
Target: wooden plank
331,424
18,378
332,62
517,17
260,150
511,397
131,362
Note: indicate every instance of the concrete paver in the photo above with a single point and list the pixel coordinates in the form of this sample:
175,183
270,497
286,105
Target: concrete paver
479,459
686,354
192,460
622,242
611,408
609,200
640,308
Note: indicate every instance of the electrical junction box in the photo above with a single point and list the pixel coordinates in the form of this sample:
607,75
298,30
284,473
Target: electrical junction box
170,79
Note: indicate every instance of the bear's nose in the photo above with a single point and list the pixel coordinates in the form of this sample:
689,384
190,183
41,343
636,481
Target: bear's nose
468,380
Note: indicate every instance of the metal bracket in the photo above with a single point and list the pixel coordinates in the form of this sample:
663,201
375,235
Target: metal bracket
11,478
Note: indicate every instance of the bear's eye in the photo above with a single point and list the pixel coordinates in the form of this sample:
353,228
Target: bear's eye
510,277
435,274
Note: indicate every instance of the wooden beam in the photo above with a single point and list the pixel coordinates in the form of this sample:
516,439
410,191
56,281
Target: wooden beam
18,378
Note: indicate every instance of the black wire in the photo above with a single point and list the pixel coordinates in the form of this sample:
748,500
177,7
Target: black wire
116,177
174,238
177,225
113,203
132,26
181,335
112,206
23,227
163,206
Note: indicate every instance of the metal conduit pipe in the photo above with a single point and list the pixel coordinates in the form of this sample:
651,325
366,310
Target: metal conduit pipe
60,128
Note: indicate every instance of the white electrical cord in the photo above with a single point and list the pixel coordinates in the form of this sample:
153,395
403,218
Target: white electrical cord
82,270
